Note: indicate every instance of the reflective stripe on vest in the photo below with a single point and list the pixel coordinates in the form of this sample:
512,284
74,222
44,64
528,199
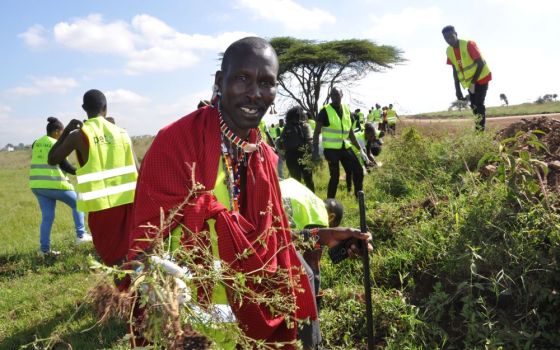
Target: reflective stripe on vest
335,136
466,67
43,175
303,207
108,179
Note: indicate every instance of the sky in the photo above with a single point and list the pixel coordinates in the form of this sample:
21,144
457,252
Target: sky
155,60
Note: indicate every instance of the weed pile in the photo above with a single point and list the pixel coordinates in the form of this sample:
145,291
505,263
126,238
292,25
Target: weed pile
547,131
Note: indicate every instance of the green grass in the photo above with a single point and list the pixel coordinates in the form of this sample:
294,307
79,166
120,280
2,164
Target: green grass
41,298
491,112
459,261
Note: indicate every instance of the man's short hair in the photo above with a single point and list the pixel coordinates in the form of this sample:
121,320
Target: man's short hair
334,207
248,42
448,29
94,101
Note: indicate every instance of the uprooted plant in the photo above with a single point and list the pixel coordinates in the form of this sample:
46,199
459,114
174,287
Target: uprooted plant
169,302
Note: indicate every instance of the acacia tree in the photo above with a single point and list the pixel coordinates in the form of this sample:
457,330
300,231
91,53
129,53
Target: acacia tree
306,66
503,97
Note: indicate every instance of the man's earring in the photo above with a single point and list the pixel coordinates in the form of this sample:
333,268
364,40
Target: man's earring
215,90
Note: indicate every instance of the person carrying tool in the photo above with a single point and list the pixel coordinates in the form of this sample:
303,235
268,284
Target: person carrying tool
470,71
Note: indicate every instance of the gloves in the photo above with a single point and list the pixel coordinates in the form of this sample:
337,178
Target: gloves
170,267
471,88
459,95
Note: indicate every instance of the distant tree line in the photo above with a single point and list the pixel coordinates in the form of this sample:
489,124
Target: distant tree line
546,98
11,147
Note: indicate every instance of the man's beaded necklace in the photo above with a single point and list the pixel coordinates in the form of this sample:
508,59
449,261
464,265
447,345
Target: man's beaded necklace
235,155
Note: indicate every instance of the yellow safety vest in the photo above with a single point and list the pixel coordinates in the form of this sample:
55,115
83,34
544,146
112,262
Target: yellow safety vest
108,179
361,117
263,129
335,136
391,117
360,136
377,115
222,195
311,123
43,175
303,207
466,67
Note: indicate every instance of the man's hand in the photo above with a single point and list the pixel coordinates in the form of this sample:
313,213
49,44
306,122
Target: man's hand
459,95
364,156
73,125
471,88
333,236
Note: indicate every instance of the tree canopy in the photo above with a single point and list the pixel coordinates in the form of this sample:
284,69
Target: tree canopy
306,66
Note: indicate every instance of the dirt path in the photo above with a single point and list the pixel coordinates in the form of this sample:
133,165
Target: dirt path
494,120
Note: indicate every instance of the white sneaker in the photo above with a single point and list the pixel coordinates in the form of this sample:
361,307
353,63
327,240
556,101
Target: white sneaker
86,237
51,254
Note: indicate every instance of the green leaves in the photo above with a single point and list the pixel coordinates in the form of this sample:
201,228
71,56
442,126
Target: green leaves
518,166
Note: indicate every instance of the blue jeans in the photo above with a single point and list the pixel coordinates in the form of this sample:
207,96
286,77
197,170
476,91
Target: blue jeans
47,201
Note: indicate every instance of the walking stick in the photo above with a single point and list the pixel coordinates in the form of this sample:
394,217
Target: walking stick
365,262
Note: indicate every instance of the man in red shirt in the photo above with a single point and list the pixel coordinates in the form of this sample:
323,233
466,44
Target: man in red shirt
469,71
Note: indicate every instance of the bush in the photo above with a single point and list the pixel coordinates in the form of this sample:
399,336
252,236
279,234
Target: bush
473,263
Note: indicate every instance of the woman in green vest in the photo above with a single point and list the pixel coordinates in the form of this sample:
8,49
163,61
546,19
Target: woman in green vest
50,184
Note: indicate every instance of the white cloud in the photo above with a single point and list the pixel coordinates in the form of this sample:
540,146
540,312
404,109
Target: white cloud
125,97
47,85
4,110
159,59
91,34
146,43
34,37
139,120
406,23
289,13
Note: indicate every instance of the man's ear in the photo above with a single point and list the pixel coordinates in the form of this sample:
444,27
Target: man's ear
218,79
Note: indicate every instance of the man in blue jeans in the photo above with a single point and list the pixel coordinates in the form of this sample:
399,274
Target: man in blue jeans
49,184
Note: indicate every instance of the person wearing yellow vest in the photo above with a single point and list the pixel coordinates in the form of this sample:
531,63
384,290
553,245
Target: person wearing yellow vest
334,122
375,115
314,219
358,119
470,71
106,177
391,120
49,184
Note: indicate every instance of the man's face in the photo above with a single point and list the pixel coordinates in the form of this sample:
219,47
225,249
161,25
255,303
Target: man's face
451,38
248,87
336,96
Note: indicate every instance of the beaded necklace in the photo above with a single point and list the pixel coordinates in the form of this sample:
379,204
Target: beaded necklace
235,159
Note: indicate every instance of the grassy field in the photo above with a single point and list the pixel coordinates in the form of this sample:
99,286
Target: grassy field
460,262
502,111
